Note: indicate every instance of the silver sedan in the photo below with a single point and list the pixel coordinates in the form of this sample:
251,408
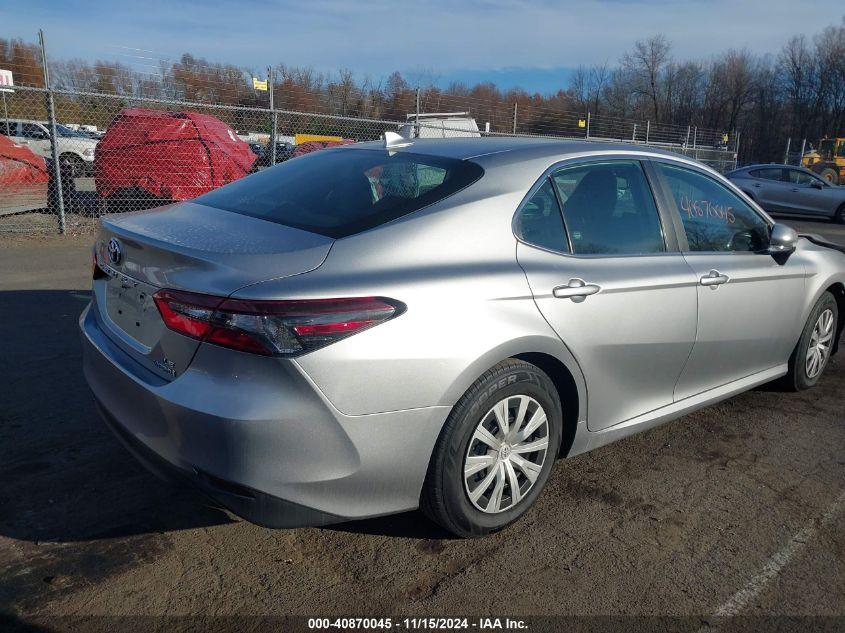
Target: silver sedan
390,325
791,190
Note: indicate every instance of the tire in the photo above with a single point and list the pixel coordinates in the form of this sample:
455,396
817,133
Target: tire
830,174
446,493
802,375
839,218
75,165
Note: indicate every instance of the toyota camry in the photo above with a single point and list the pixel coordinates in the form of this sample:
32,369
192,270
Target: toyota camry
389,325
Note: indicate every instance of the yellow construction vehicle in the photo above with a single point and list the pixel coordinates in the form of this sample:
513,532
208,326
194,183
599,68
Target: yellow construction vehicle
828,161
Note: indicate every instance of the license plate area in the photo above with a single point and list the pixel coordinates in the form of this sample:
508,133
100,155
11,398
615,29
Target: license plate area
130,307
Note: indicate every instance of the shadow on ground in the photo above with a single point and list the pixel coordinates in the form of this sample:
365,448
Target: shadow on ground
66,478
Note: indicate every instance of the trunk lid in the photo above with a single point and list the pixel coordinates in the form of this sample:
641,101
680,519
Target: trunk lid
186,246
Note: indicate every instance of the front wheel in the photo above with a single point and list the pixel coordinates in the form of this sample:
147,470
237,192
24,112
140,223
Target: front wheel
830,174
495,452
812,353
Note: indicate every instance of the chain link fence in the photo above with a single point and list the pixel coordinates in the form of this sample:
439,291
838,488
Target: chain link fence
71,155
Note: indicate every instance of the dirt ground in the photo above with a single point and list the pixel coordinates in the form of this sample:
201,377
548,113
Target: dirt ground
738,509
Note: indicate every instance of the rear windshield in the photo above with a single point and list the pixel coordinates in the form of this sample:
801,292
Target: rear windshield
340,192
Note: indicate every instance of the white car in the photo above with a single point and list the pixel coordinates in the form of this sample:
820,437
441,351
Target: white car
75,149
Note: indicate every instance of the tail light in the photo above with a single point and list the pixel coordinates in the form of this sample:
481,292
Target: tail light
272,328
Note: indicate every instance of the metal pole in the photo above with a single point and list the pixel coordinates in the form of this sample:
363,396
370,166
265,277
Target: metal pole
5,111
417,111
647,130
686,142
272,117
786,153
736,153
803,147
634,134
515,108
589,117
51,118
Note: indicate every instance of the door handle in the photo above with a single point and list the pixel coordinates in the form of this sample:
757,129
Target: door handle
714,278
795,189
757,184
577,290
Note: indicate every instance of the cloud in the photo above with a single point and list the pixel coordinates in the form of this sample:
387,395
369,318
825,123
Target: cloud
376,36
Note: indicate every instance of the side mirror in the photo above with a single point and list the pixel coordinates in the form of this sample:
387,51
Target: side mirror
816,185
782,241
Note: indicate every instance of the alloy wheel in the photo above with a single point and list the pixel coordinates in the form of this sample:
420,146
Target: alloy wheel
506,454
818,351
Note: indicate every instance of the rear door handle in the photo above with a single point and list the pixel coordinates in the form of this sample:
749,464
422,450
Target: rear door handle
714,278
757,184
577,290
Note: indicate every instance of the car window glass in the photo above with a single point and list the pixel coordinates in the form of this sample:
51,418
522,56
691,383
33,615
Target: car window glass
768,174
340,192
609,209
798,177
714,218
539,221
30,130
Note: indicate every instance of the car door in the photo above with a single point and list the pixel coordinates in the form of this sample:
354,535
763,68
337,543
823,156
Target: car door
809,194
611,282
749,305
769,189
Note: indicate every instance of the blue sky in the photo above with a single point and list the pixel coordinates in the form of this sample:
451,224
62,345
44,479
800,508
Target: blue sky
530,44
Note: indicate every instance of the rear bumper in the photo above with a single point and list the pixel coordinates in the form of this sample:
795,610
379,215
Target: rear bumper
256,435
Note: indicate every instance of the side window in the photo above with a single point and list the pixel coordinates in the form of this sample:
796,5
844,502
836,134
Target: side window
609,209
798,177
768,174
30,130
540,223
714,218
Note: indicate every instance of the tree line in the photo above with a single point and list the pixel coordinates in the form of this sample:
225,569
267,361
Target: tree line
797,92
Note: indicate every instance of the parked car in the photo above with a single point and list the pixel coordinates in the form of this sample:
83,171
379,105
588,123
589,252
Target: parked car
75,149
793,190
284,151
150,157
372,328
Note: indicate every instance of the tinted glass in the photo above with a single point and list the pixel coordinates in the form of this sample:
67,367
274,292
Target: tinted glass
768,174
609,209
344,191
540,223
30,130
714,218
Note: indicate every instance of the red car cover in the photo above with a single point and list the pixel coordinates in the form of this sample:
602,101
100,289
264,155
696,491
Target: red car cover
20,166
23,177
172,155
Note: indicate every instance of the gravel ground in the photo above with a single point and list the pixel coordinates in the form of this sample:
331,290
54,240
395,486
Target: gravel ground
735,510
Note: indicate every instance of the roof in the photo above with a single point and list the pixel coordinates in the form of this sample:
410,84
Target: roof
770,166
517,148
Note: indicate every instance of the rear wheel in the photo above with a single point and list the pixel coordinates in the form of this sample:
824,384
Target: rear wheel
812,353
495,452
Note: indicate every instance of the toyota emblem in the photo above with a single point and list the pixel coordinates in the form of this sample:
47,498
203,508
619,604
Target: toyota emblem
115,252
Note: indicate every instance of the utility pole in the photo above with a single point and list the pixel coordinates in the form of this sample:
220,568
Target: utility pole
589,118
417,100
272,116
786,152
51,118
515,110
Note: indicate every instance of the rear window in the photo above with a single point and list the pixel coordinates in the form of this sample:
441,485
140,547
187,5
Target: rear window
341,192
